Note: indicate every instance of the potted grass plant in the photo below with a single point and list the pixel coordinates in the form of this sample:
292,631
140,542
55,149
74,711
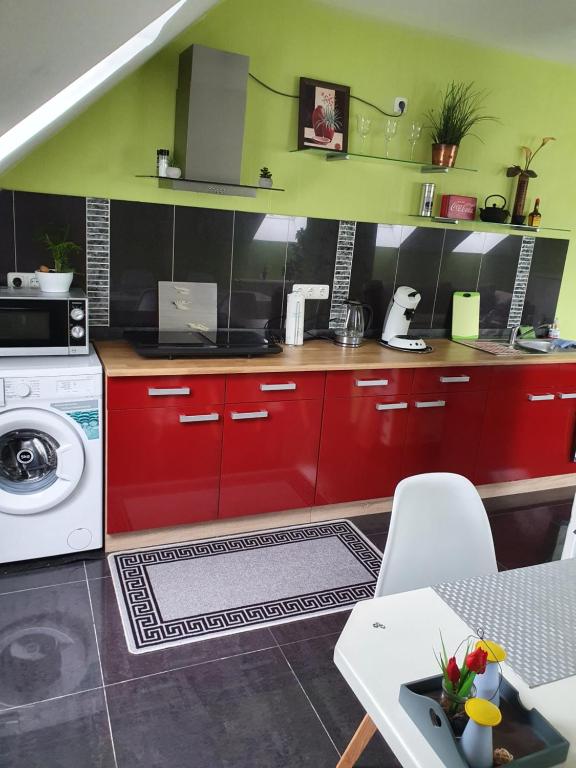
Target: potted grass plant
459,112
58,278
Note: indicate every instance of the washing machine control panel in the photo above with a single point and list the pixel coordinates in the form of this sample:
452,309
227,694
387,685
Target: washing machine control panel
50,388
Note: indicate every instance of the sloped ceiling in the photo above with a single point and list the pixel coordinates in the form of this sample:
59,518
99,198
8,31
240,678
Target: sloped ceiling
545,29
57,56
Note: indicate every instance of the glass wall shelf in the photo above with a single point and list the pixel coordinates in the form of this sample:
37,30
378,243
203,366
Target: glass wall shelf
332,155
522,227
210,187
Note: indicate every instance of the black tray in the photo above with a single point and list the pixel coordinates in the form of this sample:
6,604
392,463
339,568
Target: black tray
523,732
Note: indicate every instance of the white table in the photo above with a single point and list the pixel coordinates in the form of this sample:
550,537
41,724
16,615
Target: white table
375,662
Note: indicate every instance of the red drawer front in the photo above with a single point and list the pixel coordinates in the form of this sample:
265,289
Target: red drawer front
362,448
261,387
163,466
364,383
162,391
269,457
452,379
549,376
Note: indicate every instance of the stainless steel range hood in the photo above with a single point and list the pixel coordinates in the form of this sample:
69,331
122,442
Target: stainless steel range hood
209,128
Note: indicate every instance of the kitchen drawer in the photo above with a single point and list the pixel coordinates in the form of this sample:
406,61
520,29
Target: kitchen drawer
162,391
452,379
527,377
368,382
268,387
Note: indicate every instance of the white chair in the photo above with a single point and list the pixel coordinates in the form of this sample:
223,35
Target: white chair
439,532
569,549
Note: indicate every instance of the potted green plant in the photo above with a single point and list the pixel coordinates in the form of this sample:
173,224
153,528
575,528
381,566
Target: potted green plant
58,278
460,111
265,178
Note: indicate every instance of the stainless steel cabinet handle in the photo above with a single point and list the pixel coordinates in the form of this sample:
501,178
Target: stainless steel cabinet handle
391,406
199,417
239,416
430,403
155,392
537,398
567,395
454,379
277,387
371,382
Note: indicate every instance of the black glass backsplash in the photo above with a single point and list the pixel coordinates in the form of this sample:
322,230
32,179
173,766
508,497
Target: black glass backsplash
256,258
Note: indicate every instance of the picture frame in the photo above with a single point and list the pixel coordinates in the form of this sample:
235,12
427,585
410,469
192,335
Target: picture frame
323,115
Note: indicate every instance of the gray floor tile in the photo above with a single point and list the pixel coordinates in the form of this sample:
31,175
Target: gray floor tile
71,732
245,712
47,644
313,663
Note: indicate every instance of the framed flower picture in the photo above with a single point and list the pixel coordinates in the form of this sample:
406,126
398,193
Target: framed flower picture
323,115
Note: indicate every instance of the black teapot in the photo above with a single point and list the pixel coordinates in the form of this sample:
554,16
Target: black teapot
494,214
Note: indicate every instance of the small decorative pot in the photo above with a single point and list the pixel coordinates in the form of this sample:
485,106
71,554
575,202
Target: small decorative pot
266,183
488,684
476,742
55,282
444,154
454,706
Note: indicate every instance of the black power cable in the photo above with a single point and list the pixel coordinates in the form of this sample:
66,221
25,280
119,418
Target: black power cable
356,98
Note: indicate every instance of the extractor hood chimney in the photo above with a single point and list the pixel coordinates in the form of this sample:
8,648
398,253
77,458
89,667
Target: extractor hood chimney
209,129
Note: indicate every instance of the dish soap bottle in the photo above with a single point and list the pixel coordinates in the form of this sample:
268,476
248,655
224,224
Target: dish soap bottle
535,217
554,330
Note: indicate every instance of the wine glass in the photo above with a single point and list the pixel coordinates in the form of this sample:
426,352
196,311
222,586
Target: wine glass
364,127
414,135
389,133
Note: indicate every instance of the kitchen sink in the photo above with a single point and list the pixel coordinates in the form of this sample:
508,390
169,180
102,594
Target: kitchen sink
537,345
501,347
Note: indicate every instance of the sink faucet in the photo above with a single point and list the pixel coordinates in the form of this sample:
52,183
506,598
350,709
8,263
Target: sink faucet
514,331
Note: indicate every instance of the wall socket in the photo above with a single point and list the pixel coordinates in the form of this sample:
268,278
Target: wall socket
22,280
397,102
311,290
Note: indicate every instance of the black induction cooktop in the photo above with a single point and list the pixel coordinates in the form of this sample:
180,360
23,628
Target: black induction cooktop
191,344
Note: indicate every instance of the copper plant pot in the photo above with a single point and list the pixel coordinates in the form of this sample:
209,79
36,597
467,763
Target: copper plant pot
444,154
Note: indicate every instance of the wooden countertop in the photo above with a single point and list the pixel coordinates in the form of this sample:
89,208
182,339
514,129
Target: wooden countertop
119,359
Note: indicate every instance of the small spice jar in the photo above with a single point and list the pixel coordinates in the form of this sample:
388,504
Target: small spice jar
162,162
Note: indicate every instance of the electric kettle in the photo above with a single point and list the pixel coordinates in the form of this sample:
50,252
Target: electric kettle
351,334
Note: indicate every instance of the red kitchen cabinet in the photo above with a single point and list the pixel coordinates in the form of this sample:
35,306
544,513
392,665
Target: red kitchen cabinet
522,434
530,423
163,466
362,447
443,433
269,456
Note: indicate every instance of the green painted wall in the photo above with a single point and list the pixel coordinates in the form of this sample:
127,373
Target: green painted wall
100,152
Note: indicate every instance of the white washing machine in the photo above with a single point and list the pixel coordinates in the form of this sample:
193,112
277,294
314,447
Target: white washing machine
51,456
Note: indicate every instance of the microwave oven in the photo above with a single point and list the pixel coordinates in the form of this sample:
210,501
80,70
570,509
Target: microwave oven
37,323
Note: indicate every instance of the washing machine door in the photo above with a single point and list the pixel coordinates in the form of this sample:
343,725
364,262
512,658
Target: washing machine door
41,460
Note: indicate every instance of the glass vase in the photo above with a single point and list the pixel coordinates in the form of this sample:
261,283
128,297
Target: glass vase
453,705
518,215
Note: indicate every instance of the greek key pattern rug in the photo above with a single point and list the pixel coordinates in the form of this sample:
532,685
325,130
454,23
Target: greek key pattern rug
181,593
530,611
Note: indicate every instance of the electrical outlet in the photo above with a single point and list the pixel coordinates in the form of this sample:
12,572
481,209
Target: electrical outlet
22,280
397,105
311,290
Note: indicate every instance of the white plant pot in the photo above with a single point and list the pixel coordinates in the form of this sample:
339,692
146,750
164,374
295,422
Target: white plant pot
266,183
55,282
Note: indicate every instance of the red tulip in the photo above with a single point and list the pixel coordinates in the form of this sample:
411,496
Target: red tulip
476,661
453,671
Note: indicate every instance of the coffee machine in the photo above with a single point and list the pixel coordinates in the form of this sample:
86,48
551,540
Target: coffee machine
398,318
